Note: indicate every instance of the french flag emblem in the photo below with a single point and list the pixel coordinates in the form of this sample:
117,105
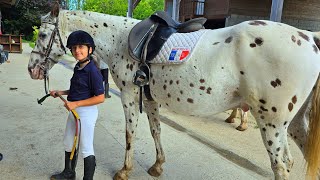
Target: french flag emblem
178,54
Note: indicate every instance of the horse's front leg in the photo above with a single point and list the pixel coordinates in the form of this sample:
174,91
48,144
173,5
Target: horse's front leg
244,117
130,105
152,110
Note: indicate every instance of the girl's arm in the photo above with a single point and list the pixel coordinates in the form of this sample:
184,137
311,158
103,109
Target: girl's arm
53,93
87,102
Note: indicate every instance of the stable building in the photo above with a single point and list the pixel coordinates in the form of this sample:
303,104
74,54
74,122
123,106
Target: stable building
222,13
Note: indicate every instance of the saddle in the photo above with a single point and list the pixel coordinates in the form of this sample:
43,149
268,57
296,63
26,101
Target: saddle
148,36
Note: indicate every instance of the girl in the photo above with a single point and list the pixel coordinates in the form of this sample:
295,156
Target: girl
86,91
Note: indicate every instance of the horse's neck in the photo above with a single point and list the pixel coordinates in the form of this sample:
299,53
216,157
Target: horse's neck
105,29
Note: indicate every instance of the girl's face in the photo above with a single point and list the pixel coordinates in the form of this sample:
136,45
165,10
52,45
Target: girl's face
80,52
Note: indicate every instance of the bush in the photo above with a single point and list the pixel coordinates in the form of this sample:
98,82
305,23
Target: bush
35,33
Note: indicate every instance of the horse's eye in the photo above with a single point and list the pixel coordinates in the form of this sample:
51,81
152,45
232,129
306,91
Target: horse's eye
42,36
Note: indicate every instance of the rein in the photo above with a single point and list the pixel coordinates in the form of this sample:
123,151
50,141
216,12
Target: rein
47,59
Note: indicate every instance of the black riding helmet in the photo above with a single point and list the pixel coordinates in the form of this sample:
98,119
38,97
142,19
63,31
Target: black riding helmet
80,37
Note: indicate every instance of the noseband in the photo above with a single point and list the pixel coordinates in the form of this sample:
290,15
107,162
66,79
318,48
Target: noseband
47,59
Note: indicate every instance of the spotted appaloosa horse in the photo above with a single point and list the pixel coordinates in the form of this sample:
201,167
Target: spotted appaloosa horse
270,66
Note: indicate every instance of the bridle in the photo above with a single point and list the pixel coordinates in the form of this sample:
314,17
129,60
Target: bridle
47,59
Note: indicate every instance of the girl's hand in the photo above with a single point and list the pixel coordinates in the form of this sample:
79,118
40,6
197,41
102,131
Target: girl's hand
70,105
53,93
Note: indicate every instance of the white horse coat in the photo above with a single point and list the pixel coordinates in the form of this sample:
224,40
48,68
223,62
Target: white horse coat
270,66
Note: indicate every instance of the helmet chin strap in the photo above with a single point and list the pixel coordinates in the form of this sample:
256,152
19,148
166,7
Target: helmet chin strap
84,61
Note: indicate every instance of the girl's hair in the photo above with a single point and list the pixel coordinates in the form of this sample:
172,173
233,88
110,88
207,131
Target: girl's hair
94,59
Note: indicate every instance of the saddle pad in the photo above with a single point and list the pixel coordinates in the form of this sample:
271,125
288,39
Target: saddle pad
178,48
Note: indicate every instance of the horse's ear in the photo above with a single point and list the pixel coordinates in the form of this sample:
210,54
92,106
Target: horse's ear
55,9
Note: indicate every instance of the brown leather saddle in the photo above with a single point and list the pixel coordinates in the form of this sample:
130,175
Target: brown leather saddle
148,36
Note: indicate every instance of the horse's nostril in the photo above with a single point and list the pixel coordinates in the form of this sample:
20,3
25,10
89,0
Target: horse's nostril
29,69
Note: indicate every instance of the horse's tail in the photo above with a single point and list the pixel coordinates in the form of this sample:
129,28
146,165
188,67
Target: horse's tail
312,153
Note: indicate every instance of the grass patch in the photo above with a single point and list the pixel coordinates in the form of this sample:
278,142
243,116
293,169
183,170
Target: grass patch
31,44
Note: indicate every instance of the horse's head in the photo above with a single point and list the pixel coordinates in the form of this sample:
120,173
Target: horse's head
48,47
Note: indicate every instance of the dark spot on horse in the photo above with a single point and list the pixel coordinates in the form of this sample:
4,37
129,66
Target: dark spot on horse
290,106
228,40
130,104
253,45
153,81
127,66
304,36
315,49
299,42
96,26
128,146
209,90
274,84
171,82
191,85
164,87
262,117
169,95
293,38
241,72
125,106
178,99
274,109
132,114
131,67
260,112
294,99
105,24
123,83
162,67
181,92
262,101
257,23
202,88
264,129
222,67
202,80
278,82
177,81
130,120
258,41
167,104
190,100
263,109
274,126
216,43
270,143
277,134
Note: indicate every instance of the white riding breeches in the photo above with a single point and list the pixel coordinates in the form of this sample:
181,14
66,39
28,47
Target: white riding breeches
88,117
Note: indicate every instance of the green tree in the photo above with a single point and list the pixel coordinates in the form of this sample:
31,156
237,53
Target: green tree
120,7
20,19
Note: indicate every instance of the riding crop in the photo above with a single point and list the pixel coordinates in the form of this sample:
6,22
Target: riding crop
77,121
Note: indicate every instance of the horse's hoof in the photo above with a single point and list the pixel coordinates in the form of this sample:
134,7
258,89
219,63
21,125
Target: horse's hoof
155,171
242,128
229,120
120,176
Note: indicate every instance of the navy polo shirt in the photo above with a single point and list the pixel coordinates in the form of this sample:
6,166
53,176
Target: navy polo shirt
85,83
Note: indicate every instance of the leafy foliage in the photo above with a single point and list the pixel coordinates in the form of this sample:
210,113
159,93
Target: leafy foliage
19,19
22,18
120,7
